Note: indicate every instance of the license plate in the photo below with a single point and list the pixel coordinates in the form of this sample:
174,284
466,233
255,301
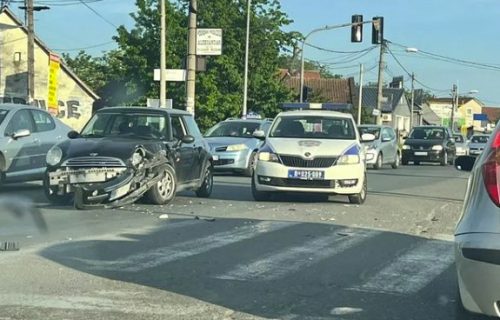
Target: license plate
418,153
306,174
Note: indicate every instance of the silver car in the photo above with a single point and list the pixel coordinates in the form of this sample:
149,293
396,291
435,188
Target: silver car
27,134
477,143
384,149
477,235
461,145
233,144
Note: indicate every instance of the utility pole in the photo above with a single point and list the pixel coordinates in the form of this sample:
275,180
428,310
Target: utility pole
453,101
31,52
380,82
191,59
412,99
163,54
247,48
360,100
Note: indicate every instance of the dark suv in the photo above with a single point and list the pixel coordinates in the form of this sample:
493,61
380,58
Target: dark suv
429,144
125,153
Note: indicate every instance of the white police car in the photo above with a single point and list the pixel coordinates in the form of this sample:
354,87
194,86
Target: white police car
315,151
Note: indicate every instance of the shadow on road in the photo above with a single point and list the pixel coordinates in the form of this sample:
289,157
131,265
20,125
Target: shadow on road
281,269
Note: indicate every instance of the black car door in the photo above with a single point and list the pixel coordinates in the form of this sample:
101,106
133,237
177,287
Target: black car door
199,146
184,152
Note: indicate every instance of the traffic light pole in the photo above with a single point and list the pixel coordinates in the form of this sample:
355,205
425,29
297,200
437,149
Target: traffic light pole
360,100
325,28
380,82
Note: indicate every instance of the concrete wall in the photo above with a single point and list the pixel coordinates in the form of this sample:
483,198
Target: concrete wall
75,104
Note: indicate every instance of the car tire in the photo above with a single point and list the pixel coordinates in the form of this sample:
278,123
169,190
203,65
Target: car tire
379,162
359,198
251,165
164,191
444,159
207,186
53,197
258,195
395,164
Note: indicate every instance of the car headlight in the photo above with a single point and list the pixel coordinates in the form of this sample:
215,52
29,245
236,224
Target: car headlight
137,158
54,156
349,159
237,147
437,147
268,156
406,147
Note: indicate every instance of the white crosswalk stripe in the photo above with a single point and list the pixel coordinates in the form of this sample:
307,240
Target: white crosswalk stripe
158,256
413,270
279,264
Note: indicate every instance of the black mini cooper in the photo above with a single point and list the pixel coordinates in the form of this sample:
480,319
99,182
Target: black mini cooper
127,153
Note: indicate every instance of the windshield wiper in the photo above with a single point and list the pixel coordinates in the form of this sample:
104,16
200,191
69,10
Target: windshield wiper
92,135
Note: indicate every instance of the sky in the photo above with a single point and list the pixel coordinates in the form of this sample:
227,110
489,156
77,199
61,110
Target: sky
461,29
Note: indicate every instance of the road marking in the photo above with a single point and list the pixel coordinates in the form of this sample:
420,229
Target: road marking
155,257
413,270
279,264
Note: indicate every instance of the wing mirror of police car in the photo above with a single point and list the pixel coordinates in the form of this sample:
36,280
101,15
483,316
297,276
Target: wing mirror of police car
465,163
367,137
259,134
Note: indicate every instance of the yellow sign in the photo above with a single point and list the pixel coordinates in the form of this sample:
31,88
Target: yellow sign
54,66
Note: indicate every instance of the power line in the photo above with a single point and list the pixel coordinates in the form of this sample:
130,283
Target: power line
98,14
336,51
84,48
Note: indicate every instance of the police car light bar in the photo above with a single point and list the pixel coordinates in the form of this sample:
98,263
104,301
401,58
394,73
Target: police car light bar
318,106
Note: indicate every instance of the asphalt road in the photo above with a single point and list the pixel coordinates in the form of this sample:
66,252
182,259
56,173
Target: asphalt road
227,257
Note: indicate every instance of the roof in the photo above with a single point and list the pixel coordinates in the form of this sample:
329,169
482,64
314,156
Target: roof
448,100
392,96
332,90
47,50
305,113
493,113
145,109
429,116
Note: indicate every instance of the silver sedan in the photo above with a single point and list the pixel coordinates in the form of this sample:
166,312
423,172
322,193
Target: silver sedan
26,134
477,235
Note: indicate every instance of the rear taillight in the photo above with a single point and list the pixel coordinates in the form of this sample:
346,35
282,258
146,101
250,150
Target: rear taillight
491,171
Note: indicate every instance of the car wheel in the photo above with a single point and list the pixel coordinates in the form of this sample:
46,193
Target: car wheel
53,197
164,190
359,198
379,162
395,164
444,159
258,195
208,183
251,165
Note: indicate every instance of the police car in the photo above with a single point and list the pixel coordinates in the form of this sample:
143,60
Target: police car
315,151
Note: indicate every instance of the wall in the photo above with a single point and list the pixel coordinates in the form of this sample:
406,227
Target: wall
75,104
467,112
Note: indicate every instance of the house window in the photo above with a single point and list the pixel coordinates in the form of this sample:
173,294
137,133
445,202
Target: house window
469,111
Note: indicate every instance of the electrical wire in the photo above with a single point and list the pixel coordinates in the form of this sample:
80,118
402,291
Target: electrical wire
85,48
98,14
336,51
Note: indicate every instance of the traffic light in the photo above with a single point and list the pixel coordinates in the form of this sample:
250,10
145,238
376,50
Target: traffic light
357,29
377,30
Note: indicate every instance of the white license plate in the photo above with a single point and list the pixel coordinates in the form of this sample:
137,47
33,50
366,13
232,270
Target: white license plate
306,174
419,153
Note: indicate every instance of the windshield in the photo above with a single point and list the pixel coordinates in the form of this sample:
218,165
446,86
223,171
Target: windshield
138,125
372,130
459,138
317,127
427,133
237,129
479,139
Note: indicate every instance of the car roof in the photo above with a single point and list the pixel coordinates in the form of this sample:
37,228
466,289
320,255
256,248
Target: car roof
244,120
146,109
326,113
373,126
12,106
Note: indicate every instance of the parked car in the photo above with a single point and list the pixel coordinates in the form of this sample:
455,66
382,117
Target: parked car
461,145
232,141
477,143
384,149
125,153
316,151
27,134
477,235
429,144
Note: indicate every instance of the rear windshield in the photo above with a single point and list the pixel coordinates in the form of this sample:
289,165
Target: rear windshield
479,139
316,127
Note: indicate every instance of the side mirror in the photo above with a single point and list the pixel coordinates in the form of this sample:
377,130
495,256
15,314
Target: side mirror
367,137
259,134
465,163
187,139
73,134
21,133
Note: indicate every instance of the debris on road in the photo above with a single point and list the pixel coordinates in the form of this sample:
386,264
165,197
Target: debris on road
344,310
163,216
9,246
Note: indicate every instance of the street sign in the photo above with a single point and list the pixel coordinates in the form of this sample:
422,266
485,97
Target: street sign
155,103
208,42
171,74
480,117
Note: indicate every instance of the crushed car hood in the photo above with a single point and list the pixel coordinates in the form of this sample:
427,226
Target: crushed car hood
116,147
316,147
